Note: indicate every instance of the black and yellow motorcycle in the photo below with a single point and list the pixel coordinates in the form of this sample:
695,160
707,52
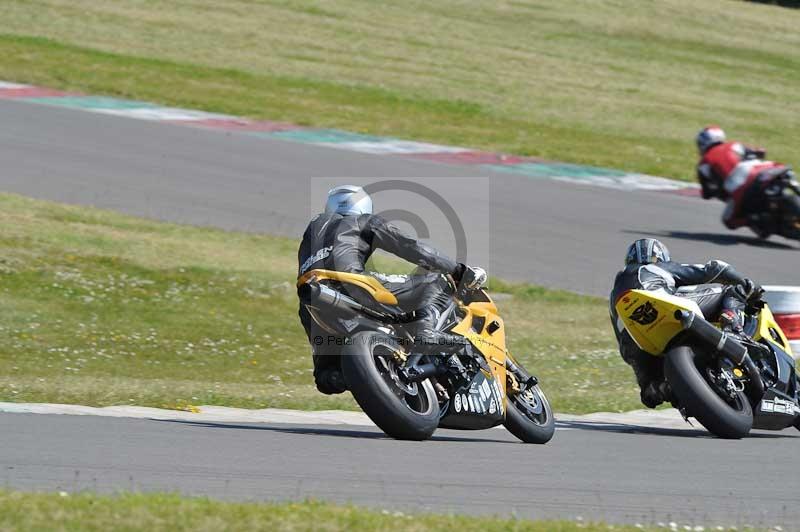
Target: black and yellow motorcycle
728,384
408,391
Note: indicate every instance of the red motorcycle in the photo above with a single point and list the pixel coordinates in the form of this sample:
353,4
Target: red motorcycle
773,201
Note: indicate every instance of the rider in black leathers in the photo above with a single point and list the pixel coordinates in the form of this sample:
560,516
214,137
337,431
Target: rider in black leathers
716,287
342,239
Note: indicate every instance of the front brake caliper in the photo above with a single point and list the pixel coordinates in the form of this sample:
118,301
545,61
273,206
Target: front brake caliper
513,383
400,356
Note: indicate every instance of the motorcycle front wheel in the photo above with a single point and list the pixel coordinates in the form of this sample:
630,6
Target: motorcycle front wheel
791,217
403,410
724,415
529,416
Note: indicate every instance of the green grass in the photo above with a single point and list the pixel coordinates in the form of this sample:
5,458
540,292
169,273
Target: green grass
86,512
618,83
100,308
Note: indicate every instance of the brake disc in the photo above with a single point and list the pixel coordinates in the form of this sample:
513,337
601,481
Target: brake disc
532,401
409,388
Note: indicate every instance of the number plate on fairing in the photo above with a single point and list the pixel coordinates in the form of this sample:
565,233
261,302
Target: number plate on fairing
776,411
779,406
478,405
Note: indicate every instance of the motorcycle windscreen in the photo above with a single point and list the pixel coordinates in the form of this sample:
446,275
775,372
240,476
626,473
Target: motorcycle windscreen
478,405
649,317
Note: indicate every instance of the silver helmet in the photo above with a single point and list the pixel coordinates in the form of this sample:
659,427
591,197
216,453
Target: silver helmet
348,200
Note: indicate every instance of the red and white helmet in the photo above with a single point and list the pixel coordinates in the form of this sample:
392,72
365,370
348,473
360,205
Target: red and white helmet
709,136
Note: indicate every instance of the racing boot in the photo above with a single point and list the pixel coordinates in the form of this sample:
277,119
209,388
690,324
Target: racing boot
655,393
330,381
327,372
431,339
731,323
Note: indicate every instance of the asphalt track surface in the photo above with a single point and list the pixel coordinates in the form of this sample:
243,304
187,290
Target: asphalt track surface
617,473
547,232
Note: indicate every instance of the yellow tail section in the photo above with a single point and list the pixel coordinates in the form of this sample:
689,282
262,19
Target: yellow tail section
371,285
649,317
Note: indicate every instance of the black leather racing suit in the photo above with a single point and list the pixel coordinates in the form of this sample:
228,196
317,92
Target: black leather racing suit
713,286
345,243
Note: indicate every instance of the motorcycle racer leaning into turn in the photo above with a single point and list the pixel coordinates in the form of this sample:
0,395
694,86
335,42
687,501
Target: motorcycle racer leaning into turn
719,291
728,171
343,238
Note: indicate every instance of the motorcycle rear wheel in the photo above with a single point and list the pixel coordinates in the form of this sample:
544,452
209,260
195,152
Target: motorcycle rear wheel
404,411
529,416
725,420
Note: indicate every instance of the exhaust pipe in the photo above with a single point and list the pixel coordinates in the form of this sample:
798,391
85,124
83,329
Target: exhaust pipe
315,294
724,344
711,336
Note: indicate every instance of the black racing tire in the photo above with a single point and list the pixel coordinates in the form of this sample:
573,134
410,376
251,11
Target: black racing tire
760,234
399,415
701,401
527,426
791,215
791,232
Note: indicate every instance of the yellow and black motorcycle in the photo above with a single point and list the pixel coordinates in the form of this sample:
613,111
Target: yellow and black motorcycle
727,383
409,391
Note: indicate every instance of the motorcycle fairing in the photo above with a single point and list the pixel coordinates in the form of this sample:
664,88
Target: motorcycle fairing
769,330
780,406
485,330
477,405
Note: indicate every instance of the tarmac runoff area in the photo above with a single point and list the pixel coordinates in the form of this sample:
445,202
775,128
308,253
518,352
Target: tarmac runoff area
669,418
645,467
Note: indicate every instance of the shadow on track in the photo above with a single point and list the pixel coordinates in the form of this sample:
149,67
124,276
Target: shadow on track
319,431
722,239
623,428
356,433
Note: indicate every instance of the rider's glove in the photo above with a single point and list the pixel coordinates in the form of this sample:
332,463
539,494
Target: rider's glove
473,277
754,153
750,291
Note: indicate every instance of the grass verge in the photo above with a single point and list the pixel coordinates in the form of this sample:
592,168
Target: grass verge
28,511
624,84
100,309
